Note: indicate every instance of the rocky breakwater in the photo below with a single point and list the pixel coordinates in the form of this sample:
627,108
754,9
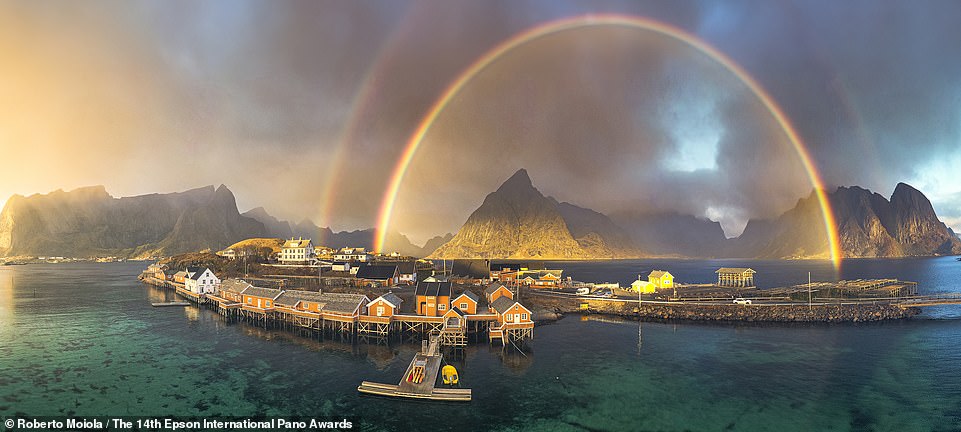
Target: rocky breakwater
749,313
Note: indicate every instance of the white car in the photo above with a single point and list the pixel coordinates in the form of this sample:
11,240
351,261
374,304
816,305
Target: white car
742,301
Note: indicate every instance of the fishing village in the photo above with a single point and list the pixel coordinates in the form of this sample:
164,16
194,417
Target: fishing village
354,295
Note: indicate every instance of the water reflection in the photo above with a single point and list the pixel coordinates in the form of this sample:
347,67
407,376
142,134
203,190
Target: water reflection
6,297
516,360
157,295
381,356
311,340
640,336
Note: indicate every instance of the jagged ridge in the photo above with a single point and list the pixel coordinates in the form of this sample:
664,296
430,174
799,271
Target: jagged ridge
90,222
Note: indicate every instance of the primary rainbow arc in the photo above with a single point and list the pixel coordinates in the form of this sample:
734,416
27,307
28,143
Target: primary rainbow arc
403,163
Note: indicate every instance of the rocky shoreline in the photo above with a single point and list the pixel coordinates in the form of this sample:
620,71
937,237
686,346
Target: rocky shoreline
552,308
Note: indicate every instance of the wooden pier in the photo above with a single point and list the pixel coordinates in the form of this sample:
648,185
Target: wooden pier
419,379
454,331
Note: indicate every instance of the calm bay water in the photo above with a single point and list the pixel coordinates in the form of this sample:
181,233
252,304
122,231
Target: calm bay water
82,339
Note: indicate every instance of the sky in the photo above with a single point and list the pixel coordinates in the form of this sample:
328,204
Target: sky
305,107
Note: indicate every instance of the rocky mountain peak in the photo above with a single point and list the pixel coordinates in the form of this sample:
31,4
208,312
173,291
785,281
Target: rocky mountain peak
517,221
868,224
906,197
223,190
518,185
97,191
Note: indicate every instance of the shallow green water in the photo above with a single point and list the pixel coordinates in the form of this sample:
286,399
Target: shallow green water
82,339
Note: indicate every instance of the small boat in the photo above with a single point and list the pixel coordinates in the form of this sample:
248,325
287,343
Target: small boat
450,375
418,371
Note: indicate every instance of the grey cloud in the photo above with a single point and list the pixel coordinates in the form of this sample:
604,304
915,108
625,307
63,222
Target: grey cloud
257,95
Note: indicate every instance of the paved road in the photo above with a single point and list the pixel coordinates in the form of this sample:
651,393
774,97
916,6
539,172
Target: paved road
941,299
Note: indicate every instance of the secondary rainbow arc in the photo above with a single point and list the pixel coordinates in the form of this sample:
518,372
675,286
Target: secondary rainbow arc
413,143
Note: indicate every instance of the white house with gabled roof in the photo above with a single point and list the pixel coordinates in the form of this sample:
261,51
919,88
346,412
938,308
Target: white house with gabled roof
202,281
299,251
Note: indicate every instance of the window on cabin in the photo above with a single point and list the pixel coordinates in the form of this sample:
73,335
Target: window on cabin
441,306
524,317
463,306
250,301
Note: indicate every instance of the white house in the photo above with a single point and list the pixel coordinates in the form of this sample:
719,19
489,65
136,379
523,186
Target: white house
201,281
297,251
352,254
407,272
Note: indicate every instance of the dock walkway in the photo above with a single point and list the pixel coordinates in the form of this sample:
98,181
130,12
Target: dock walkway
429,359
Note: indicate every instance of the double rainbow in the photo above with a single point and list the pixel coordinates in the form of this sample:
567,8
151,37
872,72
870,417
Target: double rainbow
390,195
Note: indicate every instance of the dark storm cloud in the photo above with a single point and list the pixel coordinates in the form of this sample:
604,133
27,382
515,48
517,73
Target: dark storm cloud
257,95
604,135
874,88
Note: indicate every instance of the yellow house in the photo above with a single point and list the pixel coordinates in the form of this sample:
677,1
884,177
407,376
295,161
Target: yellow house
643,287
661,279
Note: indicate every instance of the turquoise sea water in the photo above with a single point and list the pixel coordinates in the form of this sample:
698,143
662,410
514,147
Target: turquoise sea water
83,340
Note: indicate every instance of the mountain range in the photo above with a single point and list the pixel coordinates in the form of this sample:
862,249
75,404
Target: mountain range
88,222
515,221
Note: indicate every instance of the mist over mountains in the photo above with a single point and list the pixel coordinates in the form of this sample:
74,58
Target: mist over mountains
394,242
515,221
89,222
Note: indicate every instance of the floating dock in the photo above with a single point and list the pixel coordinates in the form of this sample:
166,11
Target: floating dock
168,304
419,379
393,390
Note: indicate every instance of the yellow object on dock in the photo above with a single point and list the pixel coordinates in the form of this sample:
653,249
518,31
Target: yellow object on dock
450,375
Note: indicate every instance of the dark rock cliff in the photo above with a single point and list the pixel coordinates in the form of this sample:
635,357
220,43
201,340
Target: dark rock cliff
89,222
